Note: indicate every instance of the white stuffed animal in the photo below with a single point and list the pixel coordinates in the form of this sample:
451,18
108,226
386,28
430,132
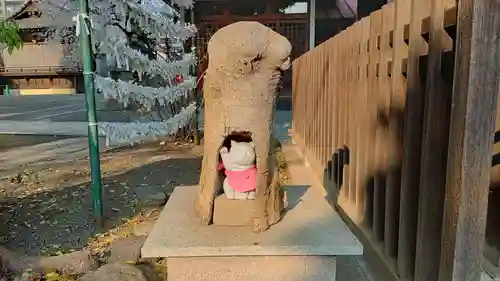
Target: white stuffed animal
239,164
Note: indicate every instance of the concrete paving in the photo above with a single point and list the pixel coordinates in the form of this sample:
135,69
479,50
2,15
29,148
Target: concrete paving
55,108
62,115
65,115
47,108
58,151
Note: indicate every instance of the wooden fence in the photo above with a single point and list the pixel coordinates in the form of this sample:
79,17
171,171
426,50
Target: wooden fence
373,115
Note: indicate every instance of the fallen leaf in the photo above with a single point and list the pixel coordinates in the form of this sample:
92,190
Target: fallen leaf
52,276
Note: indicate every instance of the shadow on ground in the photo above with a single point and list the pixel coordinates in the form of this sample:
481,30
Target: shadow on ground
367,267
62,218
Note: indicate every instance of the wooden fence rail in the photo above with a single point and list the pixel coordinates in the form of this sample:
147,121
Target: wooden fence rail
373,115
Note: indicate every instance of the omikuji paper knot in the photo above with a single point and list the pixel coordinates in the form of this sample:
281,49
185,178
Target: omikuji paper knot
80,19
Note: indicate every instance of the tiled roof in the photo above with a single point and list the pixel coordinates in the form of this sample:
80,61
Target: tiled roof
37,21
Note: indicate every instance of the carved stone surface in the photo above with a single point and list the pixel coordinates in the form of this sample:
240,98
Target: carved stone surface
245,64
232,212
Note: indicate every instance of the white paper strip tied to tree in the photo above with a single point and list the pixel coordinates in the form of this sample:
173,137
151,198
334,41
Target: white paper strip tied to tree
154,18
123,92
130,133
132,36
120,55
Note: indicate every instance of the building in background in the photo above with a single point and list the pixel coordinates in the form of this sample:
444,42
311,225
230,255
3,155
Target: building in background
290,18
10,7
38,67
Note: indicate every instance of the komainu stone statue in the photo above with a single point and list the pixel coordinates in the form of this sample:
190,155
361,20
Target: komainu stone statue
246,60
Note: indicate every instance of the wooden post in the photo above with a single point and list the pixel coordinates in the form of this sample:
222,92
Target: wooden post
377,186
412,144
362,93
353,127
391,207
475,95
434,150
395,126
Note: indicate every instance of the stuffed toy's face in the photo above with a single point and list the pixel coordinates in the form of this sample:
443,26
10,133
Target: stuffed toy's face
241,155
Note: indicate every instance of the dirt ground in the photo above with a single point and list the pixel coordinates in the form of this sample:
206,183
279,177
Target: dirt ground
48,211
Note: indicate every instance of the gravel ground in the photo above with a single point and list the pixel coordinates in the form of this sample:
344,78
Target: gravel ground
48,210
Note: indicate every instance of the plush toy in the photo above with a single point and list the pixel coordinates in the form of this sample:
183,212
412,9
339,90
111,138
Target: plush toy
240,170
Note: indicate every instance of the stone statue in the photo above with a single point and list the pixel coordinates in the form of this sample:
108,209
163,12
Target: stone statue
246,60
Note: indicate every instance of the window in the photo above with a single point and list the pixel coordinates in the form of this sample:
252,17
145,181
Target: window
297,8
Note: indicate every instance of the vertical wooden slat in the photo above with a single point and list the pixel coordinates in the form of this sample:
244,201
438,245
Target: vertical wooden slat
475,95
395,125
353,111
412,143
314,112
320,73
434,151
350,138
312,106
335,101
324,124
307,101
324,73
377,186
361,175
383,135
319,85
316,163
296,105
338,108
342,110
298,101
329,103
347,119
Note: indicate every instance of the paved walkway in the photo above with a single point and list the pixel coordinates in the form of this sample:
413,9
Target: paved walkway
59,151
348,268
65,115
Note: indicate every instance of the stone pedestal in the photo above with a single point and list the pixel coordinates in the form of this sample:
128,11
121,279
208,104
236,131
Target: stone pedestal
254,268
302,247
232,212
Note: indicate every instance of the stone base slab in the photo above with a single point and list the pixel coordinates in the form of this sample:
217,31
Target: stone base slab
310,227
252,268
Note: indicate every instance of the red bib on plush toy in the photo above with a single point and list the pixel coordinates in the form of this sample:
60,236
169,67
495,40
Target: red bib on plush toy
240,170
